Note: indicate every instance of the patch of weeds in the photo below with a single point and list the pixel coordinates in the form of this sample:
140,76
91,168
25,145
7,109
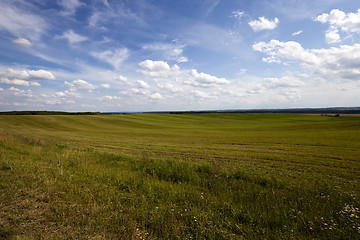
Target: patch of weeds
5,166
6,233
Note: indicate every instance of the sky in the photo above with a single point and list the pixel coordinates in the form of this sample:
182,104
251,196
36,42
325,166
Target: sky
176,55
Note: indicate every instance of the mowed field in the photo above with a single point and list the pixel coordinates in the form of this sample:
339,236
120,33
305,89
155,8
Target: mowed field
180,176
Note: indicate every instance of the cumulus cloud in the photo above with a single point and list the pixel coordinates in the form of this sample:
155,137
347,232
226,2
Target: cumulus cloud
174,88
156,96
40,74
24,77
79,84
332,36
40,98
142,84
166,76
263,24
109,98
339,20
120,78
205,80
333,63
113,57
23,42
158,69
66,94
73,37
35,84
136,92
17,82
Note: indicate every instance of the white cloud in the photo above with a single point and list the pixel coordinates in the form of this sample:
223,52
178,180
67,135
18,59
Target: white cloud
170,87
17,82
69,6
20,23
167,76
66,94
182,59
168,51
206,80
121,79
23,42
202,95
114,57
14,89
24,77
297,33
79,84
284,82
35,84
333,63
116,13
105,85
41,74
29,74
136,92
158,69
73,37
339,20
238,14
109,98
142,84
263,24
156,96
332,36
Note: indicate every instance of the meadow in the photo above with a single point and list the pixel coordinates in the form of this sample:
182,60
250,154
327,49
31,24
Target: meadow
180,176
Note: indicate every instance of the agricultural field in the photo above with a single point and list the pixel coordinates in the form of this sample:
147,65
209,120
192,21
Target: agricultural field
180,176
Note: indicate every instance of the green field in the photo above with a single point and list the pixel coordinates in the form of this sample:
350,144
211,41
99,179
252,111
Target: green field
180,176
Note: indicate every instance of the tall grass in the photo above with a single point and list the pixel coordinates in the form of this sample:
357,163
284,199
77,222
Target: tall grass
207,176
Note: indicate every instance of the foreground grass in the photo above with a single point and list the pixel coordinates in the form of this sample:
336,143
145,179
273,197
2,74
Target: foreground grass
203,176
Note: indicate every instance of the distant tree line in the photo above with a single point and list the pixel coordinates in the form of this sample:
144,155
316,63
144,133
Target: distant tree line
47,113
335,112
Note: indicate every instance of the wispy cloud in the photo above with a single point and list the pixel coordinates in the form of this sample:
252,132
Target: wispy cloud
70,6
238,14
114,57
73,37
20,23
169,51
297,33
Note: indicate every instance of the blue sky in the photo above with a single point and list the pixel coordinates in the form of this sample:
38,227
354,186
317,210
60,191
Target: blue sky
147,55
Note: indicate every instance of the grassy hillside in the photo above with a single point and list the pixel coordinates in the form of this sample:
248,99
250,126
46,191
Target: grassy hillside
180,176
